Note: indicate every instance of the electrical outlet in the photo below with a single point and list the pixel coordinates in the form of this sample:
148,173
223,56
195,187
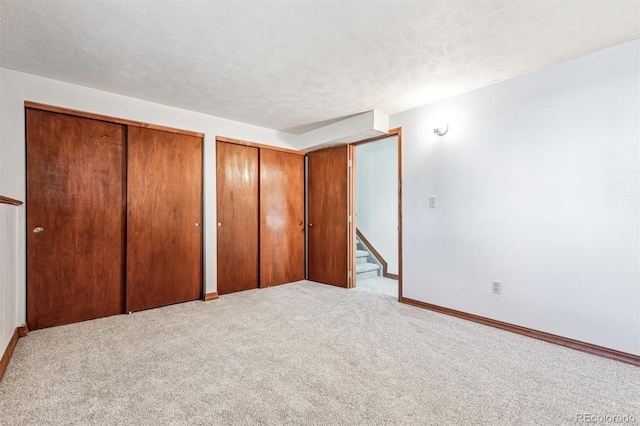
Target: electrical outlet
432,202
496,287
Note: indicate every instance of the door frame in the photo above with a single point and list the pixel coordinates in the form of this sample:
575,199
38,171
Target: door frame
352,201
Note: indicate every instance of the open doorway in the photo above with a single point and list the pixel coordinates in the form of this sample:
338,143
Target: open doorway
378,215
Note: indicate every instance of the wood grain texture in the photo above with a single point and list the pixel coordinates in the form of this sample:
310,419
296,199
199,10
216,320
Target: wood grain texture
75,192
211,296
328,238
6,357
10,201
23,330
164,202
237,210
398,131
281,218
258,145
351,207
541,335
61,110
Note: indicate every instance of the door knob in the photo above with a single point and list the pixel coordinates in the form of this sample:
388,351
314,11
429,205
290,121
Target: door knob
38,230
219,224
197,224
300,223
311,224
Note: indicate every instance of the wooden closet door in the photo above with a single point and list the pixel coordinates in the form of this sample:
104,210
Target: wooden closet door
164,203
330,242
75,218
281,217
237,216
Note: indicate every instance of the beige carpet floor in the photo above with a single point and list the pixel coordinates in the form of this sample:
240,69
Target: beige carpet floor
304,354
379,285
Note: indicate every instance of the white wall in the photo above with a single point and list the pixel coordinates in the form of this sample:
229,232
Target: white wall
8,273
377,197
17,87
359,127
538,186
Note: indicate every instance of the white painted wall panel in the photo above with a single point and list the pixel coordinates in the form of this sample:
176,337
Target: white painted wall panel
537,186
8,273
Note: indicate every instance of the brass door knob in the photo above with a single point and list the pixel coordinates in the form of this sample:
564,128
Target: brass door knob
219,224
38,229
197,224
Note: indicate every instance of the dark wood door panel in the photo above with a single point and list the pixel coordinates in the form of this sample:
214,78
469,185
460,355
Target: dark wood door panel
237,214
281,217
164,193
76,195
328,186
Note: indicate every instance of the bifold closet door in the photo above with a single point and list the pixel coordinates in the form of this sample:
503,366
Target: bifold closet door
281,217
75,218
330,246
237,217
164,216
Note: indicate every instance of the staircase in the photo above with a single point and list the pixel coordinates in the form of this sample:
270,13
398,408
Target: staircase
367,266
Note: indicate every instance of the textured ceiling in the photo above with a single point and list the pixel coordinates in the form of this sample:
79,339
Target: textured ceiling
295,65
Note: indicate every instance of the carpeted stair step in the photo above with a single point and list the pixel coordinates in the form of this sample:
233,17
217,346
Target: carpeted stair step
366,267
362,256
366,270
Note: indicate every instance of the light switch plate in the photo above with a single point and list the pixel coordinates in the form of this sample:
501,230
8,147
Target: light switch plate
432,202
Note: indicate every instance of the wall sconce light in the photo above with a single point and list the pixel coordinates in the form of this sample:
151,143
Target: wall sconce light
442,129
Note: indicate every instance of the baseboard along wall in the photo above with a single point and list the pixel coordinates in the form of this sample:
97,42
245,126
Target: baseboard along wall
541,335
210,296
19,332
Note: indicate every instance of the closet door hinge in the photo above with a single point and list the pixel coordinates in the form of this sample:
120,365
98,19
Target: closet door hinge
350,163
349,219
349,275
